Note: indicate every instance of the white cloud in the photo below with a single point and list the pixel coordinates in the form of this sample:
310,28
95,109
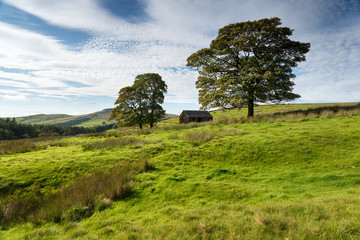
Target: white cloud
118,50
99,65
12,95
22,47
332,67
78,14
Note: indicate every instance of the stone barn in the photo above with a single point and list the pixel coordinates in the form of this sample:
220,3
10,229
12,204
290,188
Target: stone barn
188,116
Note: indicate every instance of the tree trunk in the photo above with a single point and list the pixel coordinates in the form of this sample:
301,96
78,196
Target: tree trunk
250,108
140,125
152,116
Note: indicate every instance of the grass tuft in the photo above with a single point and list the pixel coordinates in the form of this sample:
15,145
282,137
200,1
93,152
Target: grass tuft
144,164
76,201
113,143
198,137
19,146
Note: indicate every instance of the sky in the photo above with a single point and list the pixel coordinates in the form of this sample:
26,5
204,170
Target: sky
73,56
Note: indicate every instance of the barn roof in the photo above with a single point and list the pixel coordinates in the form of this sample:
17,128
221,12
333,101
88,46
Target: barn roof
193,113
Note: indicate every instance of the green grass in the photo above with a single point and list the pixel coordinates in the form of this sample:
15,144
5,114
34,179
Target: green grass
275,178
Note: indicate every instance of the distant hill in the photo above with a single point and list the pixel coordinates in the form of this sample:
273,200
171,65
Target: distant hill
86,120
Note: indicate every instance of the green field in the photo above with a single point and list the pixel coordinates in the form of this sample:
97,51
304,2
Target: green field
294,175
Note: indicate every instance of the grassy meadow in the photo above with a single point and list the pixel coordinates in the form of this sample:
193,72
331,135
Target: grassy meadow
292,172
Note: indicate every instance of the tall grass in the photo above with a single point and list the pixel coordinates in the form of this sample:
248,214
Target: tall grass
296,115
198,137
19,146
29,145
113,143
76,201
182,126
144,164
319,112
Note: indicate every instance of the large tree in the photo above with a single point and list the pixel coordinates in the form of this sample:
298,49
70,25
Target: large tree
139,104
248,62
153,88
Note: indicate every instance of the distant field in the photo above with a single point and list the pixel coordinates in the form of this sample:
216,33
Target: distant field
289,176
87,120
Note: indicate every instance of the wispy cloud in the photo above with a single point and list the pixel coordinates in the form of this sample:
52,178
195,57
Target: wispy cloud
118,50
332,71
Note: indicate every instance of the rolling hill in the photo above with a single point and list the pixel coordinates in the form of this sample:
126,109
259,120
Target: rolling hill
292,172
86,120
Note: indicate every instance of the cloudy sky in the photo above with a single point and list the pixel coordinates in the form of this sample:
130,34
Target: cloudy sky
73,56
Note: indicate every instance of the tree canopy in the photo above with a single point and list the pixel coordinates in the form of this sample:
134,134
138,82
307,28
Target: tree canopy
10,129
139,104
248,62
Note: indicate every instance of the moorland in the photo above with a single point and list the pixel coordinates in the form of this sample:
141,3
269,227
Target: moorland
291,172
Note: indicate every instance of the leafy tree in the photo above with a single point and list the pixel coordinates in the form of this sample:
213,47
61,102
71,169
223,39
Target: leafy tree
248,62
139,104
129,110
152,88
10,129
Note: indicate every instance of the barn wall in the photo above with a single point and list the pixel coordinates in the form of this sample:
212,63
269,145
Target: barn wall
185,119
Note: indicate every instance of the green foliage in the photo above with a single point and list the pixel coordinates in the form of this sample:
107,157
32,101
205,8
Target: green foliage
248,62
140,103
10,129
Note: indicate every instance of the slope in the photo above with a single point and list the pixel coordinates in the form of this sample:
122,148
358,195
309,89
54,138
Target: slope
277,179
86,120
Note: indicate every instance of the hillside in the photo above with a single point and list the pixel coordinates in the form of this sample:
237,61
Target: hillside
87,120
293,175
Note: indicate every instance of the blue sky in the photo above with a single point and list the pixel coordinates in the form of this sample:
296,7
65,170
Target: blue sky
73,56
